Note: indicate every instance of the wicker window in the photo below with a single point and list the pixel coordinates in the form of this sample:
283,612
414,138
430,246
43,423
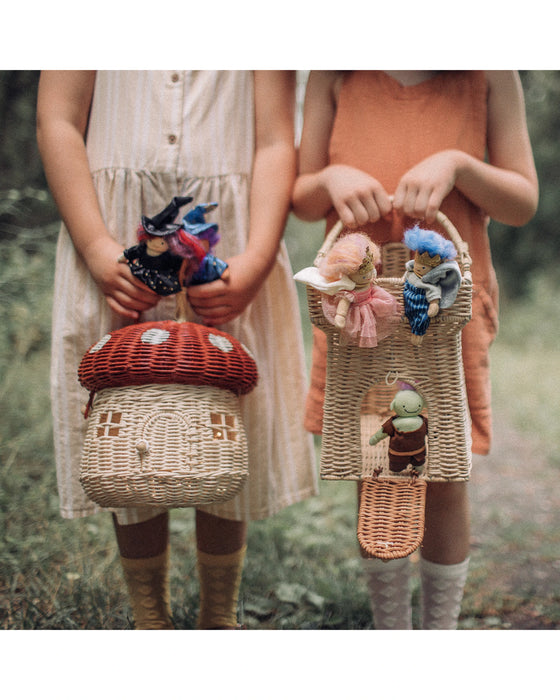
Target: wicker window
224,426
109,424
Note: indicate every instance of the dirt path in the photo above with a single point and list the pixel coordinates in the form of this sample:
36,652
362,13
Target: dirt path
515,571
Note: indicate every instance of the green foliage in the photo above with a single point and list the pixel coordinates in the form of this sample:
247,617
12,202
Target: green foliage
21,165
520,253
529,389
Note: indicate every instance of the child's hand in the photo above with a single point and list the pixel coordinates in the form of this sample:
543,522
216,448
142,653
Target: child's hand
423,188
357,197
126,295
223,300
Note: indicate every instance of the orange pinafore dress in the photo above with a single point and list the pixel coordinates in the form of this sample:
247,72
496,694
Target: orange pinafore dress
384,129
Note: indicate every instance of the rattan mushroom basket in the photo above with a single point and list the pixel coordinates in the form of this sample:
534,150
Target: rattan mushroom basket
360,385
164,420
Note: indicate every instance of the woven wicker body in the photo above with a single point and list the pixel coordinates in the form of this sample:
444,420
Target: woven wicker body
434,369
164,421
360,385
391,517
171,446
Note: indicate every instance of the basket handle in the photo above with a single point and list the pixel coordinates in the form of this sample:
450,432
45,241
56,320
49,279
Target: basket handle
465,260
328,243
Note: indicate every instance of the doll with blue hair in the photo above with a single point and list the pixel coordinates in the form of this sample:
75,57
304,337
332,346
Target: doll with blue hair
431,281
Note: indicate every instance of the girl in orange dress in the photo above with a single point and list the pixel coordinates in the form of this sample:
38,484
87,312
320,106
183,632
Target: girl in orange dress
382,150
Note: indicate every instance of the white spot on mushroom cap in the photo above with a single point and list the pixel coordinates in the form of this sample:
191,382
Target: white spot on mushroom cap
154,336
100,344
218,341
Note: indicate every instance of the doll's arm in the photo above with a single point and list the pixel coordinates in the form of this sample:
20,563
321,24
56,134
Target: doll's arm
433,308
63,104
273,177
379,435
341,312
356,196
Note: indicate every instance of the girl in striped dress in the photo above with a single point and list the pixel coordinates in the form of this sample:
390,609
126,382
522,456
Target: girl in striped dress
117,145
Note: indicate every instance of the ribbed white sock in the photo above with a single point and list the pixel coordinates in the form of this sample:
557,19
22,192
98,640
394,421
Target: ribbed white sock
390,595
442,593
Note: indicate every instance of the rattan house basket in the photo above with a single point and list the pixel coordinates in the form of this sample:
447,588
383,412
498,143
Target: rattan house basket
360,385
164,421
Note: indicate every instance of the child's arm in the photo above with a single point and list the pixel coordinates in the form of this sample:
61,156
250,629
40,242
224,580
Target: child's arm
63,104
356,196
273,177
506,188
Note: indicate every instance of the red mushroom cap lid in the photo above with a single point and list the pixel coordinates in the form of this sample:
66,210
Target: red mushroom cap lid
168,352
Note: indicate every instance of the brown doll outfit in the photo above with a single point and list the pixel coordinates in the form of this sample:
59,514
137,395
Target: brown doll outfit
384,129
406,447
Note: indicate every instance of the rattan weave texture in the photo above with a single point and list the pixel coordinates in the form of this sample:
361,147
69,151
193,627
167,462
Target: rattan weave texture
164,421
168,352
171,446
360,385
400,530
434,369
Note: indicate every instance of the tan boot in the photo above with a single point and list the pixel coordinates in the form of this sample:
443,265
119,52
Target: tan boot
147,581
220,578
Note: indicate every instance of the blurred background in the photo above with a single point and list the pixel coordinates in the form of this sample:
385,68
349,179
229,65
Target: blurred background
302,568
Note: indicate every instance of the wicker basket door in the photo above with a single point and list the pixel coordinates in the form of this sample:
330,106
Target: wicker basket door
360,385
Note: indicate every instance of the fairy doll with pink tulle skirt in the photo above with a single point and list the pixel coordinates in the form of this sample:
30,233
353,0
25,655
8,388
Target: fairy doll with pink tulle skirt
351,299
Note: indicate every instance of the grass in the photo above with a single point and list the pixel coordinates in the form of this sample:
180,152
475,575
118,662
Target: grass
302,569
525,365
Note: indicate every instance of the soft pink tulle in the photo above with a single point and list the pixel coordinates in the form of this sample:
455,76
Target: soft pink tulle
372,316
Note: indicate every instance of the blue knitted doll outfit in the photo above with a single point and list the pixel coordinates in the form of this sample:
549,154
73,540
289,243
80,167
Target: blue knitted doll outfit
416,308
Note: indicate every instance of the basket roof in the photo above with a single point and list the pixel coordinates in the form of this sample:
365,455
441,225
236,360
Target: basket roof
168,352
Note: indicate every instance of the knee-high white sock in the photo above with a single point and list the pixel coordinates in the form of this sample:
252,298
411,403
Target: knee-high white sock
442,593
389,590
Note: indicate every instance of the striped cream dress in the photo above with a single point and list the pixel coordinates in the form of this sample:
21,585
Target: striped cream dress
153,135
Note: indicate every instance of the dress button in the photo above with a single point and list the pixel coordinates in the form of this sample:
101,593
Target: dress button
175,78
172,138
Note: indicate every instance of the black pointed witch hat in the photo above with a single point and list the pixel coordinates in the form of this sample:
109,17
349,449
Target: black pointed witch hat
163,224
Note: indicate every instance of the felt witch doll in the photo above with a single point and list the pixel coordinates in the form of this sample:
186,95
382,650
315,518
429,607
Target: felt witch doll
151,261
350,297
431,281
170,256
195,232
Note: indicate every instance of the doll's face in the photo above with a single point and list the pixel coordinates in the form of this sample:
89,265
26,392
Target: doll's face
420,270
156,245
362,278
407,403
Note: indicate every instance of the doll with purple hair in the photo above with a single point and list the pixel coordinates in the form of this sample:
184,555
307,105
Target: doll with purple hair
351,299
431,281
